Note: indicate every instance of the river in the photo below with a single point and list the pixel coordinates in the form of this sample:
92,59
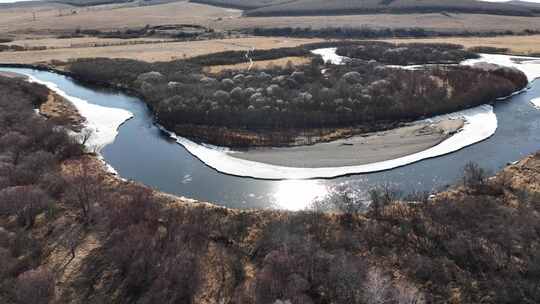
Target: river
143,153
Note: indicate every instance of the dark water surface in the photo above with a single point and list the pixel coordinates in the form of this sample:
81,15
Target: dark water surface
142,153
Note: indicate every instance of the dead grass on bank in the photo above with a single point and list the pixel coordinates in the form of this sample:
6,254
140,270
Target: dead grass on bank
262,64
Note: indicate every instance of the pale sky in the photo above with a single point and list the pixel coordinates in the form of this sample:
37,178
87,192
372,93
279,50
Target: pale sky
537,1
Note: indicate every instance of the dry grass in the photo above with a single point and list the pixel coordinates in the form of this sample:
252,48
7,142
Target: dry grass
523,45
281,62
153,52
48,20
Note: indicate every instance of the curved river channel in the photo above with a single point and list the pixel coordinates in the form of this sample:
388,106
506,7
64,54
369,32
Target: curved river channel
143,153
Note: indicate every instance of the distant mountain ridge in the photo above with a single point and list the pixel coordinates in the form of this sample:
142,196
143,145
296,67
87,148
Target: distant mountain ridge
257,8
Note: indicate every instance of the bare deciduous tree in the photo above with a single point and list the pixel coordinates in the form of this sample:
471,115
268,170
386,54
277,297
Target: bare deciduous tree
85,189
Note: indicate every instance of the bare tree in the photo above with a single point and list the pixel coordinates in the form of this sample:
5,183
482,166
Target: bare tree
377,287
348,201
24,201
474,176
84,136
86,189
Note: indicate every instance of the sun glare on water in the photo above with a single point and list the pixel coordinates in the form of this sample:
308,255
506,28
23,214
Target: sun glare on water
297,195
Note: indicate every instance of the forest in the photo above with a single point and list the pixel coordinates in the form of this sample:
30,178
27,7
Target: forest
69,232
364,92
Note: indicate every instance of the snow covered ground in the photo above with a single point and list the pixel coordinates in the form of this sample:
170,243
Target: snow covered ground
329,55
101,122
528,65
536,103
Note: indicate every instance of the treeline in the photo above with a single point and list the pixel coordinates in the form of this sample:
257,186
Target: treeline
372,33
407,53
177,31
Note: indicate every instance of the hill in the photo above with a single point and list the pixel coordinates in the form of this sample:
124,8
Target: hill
352,7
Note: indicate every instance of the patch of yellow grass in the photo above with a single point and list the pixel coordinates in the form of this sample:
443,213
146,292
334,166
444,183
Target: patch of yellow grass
154,52
281,62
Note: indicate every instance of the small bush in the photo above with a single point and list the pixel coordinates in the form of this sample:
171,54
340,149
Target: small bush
35,287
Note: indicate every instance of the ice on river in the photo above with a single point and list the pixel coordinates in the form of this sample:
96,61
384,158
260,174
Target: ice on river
536,103
102,122
480,124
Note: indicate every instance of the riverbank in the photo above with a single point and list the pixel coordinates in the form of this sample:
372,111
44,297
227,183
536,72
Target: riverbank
361,149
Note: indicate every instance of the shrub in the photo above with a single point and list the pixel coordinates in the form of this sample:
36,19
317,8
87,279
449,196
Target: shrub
24,201
35,287
474,176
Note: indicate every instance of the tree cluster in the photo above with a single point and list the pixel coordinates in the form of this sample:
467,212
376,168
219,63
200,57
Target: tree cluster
408,53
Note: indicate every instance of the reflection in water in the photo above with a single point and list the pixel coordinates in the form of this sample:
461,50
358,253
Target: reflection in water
298,194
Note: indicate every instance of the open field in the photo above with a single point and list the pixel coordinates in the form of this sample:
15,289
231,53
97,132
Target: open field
152,52
19,21
522,45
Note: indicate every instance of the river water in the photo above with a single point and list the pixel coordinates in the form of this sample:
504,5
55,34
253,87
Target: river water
143,153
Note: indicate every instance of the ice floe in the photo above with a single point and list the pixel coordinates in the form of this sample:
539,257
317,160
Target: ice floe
480,124
536,103
102,122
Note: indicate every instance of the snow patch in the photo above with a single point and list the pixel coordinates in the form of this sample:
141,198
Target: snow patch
329,55
480,124
102,122
530,66
536,103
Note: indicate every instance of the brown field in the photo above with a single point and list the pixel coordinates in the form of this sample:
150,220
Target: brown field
53,43
281,62
522,45
153,52
19,21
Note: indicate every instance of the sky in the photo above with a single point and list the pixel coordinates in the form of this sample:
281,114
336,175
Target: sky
537,1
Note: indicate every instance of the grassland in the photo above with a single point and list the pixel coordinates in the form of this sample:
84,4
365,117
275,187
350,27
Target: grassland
19,21
55,18
152,52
